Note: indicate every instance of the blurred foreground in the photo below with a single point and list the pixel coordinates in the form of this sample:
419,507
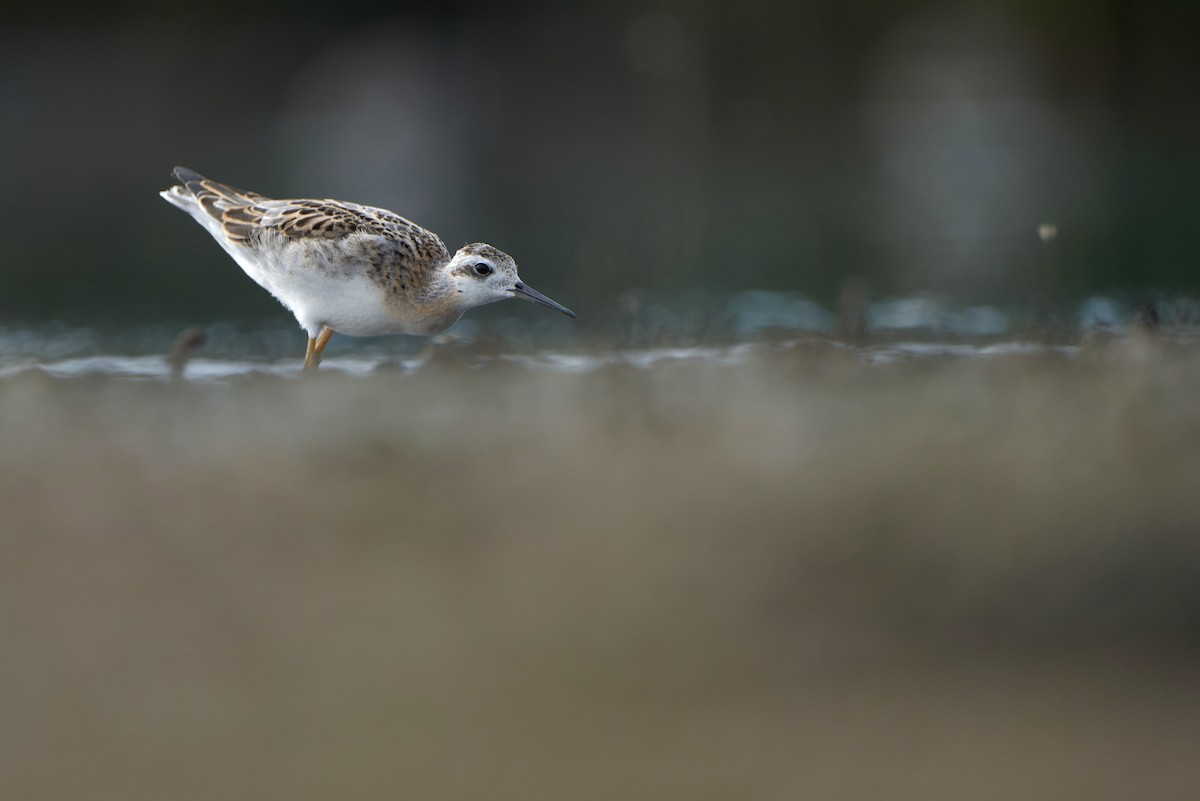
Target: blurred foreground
797,576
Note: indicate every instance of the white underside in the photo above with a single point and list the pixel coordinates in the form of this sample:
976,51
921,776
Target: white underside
352,305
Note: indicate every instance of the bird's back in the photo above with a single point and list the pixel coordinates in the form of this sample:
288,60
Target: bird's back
244,217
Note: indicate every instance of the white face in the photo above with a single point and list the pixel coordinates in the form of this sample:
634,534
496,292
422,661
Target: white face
482,278
482,274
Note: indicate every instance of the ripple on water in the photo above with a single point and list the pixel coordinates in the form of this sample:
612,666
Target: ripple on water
155,367
902,329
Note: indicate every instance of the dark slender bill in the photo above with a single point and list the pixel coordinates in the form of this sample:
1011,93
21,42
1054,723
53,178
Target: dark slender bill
527,293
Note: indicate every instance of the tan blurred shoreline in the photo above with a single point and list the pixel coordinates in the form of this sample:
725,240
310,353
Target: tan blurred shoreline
795,577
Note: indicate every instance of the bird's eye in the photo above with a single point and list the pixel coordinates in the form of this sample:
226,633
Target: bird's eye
483,269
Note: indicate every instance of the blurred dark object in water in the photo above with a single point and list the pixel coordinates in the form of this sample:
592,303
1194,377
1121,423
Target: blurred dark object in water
852,301
1150,318
626,310
186,344
1045,321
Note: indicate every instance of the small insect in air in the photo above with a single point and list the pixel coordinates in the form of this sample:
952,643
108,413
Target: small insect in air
347,268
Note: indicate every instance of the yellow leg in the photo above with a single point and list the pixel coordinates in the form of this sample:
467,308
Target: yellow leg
310,356
322,341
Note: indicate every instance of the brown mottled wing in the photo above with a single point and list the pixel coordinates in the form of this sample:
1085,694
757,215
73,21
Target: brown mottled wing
331,219
245,216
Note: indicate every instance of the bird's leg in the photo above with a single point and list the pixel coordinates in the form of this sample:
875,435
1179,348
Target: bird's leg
319,345
310,356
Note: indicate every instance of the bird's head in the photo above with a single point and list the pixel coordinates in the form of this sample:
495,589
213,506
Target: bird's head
482,274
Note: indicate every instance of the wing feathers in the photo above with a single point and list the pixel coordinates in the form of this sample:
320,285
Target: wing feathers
244,216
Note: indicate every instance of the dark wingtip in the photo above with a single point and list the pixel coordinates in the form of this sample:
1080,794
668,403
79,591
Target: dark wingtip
184,175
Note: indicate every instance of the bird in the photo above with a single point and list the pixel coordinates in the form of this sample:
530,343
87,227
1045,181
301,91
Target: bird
349,268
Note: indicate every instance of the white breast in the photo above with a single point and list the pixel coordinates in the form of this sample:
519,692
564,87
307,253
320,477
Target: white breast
325,286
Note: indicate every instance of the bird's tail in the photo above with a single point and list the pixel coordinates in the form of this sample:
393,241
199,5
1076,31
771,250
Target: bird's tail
195,192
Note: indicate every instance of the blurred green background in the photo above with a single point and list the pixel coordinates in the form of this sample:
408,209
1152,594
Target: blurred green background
612,146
